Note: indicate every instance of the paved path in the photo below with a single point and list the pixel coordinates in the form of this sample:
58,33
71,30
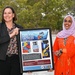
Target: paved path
43,72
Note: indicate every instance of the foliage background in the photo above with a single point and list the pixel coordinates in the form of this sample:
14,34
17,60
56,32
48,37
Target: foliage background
40,13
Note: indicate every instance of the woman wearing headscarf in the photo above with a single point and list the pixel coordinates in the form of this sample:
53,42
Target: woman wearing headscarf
64,48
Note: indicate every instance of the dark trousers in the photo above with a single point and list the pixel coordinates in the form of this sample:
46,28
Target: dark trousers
10,66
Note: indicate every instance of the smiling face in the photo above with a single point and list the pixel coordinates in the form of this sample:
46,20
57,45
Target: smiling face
67,22
8,15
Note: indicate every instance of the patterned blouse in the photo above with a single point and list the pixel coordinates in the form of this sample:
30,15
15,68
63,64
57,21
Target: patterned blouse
12,47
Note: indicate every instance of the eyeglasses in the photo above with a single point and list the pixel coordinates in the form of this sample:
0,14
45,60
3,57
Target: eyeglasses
68,21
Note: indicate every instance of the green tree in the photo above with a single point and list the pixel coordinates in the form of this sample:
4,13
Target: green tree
40,13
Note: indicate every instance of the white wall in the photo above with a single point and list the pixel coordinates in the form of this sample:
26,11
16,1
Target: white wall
40,73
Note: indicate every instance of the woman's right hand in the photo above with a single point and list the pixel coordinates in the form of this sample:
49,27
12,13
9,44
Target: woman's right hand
14,32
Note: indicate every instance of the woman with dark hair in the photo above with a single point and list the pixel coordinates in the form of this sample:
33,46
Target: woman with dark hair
9,52
64,48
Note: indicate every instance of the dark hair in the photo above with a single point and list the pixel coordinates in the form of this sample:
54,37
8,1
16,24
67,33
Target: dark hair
14,19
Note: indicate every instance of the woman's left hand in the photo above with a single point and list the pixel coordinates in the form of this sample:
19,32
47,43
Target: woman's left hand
58,53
